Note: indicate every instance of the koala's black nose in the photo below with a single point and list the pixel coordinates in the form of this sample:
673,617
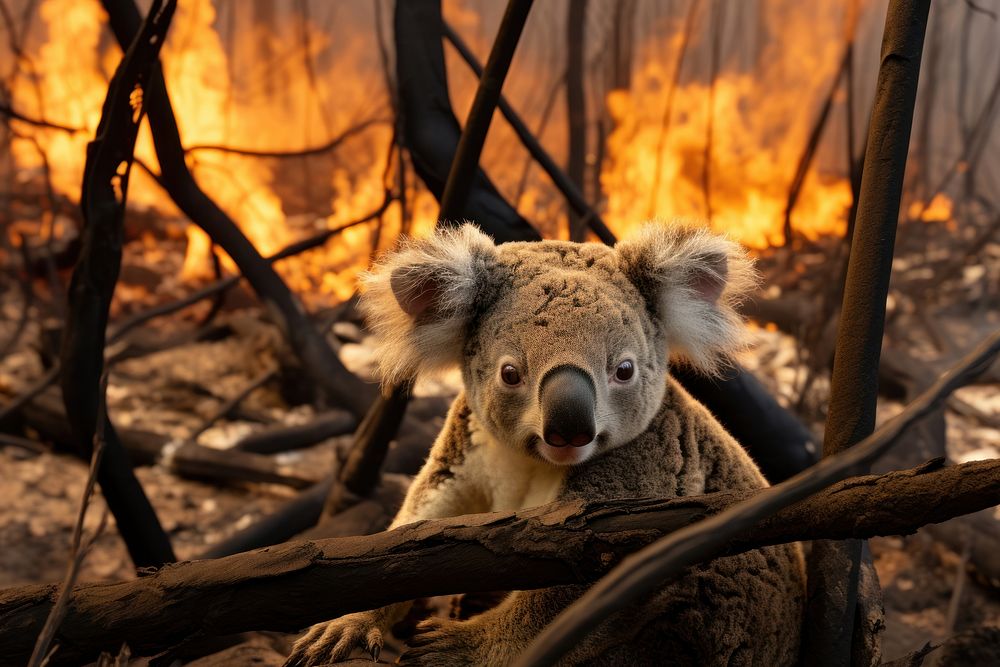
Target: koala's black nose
567,398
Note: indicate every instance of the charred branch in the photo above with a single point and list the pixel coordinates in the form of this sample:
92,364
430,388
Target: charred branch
288,438
325,147
470,146
105,186
576,110
319,361
431,131
560,543
294,517
570,190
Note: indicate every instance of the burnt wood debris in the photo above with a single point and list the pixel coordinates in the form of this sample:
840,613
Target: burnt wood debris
343,560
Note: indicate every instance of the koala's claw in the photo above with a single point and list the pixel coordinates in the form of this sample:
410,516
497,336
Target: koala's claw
440,642
333,641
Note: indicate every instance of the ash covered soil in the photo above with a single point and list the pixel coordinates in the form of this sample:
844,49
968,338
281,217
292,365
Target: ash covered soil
173,392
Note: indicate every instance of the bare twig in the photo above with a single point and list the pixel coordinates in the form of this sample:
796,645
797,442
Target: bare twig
666,559
573,194
325,147
10,112
31,392
668,108
230,404
33,446
719,20
812,143
78,547
291,250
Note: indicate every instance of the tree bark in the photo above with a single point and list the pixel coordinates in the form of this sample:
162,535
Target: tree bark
854,384
282,588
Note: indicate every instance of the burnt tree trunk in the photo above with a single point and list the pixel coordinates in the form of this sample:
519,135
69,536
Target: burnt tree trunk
834,567
103,196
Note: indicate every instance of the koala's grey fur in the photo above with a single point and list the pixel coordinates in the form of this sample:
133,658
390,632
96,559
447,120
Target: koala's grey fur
667,292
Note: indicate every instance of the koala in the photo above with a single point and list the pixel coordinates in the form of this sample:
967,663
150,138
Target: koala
564,350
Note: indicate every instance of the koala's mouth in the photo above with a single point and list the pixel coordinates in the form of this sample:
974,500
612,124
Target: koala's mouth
566,455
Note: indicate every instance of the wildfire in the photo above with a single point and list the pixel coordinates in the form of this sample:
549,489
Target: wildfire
749,128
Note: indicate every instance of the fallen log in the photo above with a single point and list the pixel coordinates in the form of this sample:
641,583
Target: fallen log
185,459
279,588
287,438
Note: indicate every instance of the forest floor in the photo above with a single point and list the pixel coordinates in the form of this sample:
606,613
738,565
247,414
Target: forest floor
169,392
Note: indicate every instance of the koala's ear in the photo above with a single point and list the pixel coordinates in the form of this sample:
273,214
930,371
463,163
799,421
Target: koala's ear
419,299
692,280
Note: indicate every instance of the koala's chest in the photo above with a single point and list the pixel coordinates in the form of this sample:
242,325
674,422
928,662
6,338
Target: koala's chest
508,479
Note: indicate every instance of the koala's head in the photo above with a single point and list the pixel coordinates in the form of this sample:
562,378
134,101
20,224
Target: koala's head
563,347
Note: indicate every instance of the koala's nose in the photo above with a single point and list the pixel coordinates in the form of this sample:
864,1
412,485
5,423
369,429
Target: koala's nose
567,399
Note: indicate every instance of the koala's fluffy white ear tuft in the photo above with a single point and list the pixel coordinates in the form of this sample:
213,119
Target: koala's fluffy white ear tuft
419,299
693,280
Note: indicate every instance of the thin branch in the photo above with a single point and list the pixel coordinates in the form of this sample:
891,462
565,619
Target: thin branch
569,190
470,146
31,392
10,112
812,143
230,404
668,108
78,548
326,147
291,250
666,559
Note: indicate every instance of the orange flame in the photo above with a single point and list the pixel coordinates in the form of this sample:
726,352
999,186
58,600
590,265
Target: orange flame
224,93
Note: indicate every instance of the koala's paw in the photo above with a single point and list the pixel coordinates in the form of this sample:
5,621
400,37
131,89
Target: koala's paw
443,642
333,641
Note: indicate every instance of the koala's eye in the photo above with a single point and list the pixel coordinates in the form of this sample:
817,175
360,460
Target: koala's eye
625,371
510,375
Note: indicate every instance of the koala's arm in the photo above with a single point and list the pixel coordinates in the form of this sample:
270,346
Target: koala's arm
436,492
